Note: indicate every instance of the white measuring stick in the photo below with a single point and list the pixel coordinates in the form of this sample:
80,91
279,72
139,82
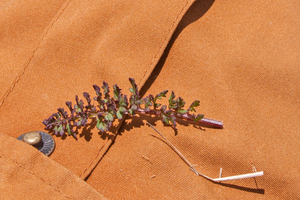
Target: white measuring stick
229,178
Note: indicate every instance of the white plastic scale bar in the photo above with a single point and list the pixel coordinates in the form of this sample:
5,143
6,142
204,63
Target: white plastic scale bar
220,179
229,178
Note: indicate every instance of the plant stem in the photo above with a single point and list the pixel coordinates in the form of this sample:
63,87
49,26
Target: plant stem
211,123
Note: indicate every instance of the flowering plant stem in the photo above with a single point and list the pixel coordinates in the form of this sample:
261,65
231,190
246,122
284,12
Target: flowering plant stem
109,108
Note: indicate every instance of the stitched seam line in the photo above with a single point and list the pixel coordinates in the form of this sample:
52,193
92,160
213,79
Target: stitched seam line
91,164
167,38
165,42
61,10
98,156
31,172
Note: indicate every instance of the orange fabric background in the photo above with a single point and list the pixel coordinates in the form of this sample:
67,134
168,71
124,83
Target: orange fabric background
240,59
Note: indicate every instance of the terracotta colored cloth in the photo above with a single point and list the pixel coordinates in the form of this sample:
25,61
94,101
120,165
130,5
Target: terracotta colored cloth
27,174
240,59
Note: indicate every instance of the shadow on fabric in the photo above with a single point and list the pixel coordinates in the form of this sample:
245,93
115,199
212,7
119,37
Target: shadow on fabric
195,12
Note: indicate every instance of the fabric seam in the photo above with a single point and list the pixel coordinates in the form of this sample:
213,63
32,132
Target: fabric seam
47,29
163,46
38,177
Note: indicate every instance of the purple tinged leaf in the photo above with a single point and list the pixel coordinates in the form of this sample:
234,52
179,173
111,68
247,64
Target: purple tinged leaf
50,120
161,94
108,125
151,97
147,102
180,103
87,97
173,120
111,108
48,127
147,109
100,116
75,136
165,120
63,113
163,108
123,101
81,105
171,101
157,105
60,130
97,90
134,107
55,130
134,90
84,122
69,104
106,91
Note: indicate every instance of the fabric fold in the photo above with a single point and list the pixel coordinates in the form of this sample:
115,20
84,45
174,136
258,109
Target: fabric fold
28,174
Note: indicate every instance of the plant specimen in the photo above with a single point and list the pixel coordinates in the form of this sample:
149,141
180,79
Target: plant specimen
108,108
218,180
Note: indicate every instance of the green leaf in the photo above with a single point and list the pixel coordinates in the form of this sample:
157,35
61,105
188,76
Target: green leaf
165,120
171,101
109,117
77,108
161,94
69,131
60,130
131,112
134,89
198,117
101,125
182,111
157,105
194,105
117,92
123,102
122,109
119,114
179,104
172,96
106,91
